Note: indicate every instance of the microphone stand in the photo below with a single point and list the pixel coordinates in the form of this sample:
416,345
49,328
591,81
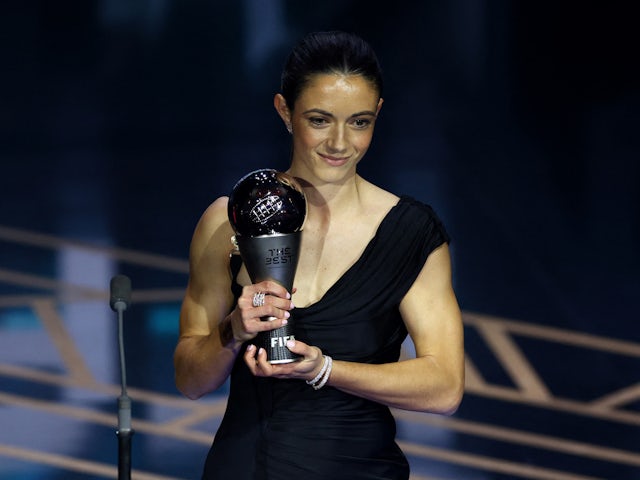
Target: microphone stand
124,432
121,291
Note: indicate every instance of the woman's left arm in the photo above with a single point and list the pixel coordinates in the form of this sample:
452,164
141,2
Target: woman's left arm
432,382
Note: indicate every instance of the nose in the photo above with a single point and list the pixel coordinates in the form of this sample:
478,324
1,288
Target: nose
338,141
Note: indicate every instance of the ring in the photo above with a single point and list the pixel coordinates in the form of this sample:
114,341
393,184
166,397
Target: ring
258,299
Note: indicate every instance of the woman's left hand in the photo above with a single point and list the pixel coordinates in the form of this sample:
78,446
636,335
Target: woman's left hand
305,369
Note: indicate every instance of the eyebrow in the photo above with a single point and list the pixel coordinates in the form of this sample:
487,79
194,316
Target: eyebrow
329,114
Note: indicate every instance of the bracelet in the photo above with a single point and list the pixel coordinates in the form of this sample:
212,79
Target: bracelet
325,378
320,373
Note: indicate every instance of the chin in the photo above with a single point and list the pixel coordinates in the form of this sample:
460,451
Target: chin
332,174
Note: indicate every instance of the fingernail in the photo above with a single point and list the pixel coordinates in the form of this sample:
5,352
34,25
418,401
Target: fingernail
251,347
291,343
288,295
292,306
260,351
286,314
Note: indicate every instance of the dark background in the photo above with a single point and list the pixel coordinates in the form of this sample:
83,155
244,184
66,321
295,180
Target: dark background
121,120
518,121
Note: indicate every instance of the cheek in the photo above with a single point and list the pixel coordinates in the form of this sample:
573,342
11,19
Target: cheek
310,138
363,140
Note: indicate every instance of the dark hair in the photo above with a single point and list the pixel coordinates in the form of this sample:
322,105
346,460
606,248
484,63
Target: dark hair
328,52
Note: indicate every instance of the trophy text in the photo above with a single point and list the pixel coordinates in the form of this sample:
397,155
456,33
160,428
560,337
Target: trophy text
278,256
281,341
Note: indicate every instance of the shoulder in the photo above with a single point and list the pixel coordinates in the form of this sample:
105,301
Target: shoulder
216,212
414,210
213,228
416,226
215,216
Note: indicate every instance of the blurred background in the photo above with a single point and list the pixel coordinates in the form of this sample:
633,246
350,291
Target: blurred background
121,120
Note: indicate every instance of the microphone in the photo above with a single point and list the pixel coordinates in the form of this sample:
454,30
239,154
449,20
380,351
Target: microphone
120,293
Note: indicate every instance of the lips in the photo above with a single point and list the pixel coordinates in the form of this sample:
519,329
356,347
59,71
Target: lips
335,161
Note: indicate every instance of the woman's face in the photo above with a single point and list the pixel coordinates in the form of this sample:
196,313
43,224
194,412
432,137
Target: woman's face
332,124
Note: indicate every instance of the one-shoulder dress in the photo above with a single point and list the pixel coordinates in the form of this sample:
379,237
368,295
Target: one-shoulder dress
276,429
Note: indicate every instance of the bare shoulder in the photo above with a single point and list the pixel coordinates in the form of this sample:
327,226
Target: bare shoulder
214,223
211,245
215,214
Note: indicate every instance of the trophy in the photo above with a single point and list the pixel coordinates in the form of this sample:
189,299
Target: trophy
267,210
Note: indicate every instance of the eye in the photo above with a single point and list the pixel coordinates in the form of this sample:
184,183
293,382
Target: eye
361,123
318,121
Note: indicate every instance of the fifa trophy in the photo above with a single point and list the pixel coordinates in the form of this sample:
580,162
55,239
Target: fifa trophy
267,210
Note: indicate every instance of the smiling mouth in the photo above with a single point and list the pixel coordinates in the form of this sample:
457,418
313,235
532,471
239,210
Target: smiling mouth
335,160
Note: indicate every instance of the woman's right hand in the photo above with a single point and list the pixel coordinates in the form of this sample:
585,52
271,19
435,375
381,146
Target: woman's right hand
246,318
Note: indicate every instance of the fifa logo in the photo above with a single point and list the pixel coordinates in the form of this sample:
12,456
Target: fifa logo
281,341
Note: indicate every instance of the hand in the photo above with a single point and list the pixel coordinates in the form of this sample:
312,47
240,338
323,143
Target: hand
305,368
246,319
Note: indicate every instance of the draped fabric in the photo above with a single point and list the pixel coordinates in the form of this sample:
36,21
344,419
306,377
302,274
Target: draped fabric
277,429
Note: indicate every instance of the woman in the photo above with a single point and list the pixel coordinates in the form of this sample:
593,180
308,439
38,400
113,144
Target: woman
373,267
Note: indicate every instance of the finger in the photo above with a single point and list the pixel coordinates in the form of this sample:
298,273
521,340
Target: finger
301,348
270,313
257,294
269,316
258,363
312,357
250,358
272,288
252,298
263,364
267,325
274,311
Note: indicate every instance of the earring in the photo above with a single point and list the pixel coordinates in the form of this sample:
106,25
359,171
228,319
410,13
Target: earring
289,129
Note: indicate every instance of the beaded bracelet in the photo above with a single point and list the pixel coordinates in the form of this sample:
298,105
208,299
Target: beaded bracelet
325,378
321,372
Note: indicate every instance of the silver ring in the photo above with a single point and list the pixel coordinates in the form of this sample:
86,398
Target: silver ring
258,299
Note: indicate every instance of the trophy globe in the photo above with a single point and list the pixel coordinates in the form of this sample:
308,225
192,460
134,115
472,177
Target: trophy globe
267,202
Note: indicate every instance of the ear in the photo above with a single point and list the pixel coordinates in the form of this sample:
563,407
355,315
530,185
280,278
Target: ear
281,107
380,102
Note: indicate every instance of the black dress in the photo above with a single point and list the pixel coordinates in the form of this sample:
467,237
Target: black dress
276,429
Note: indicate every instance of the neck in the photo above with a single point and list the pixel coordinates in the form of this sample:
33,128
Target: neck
332,195
331,200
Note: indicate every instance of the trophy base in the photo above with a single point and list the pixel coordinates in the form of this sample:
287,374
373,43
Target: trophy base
275,344
285,360
273,257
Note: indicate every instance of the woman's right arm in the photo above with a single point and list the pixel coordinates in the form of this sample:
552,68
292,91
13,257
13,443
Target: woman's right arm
210,336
